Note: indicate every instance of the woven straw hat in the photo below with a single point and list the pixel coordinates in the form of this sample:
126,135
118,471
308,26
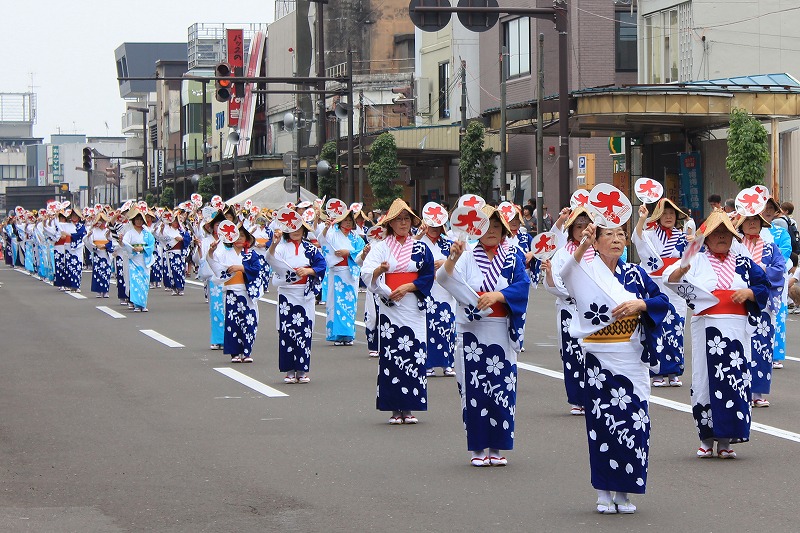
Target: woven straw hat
658,212
576,212
397,207
720,218
491,211
764,223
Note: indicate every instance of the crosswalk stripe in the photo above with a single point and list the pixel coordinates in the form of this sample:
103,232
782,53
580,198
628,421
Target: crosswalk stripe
110,312
247,381
161,338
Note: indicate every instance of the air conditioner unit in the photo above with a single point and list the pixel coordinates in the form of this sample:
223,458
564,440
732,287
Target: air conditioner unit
422,92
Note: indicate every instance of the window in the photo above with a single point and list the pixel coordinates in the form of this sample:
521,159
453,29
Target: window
518,43
444,90
666,58
625,42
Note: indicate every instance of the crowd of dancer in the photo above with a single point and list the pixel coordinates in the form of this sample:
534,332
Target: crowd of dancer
440,298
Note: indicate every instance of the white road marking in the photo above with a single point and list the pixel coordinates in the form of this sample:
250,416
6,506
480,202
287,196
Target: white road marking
678,406
76,295
161,338
793,358
110,312
247,381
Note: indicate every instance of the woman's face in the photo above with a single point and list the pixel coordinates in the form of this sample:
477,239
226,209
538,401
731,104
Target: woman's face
719,241
668,218
401,224
435,232
494,234
514,224
347,223
751,226
610,242
138,221
297,235
578,226
74,218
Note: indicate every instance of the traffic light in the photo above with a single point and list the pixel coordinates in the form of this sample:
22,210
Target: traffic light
404,101
223,83
238,88
87,159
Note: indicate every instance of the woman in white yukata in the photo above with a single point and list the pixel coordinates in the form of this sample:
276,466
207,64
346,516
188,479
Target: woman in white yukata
491,286
238,268
441,317
138,244
618,311
263,237
727,291
400,271
342,245
570,347
68,233
297,270
768,256
659,248
215,286
101,247
175,239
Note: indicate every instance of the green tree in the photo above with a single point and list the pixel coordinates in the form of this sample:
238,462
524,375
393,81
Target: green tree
382,171
326,185
205,187
476,167
167,197
748,150
150,199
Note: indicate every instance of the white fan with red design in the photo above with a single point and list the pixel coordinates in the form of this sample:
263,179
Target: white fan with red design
610,207
376,233
434,215
648,190
471,200
197,199
288,220
750,202
469,223
508,210
579,198
544,245
335,208
228,232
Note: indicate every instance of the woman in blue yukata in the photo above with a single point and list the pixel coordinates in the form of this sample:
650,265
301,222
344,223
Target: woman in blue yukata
238,268
779,236
138,244
659,248
570,348
342,245
215,286
727,292
618,311
70,233
767,256
491,286
400,271
176,239
297,270
101,247
441,305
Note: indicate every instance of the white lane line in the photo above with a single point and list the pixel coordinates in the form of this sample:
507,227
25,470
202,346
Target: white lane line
793,358
247,381
161,338
110,312
678,406
76,295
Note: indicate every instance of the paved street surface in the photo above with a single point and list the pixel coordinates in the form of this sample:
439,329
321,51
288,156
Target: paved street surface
105,428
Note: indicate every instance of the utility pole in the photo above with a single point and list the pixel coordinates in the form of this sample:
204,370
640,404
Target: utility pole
463,96
350,184
205,126
503,91
540,140
361,123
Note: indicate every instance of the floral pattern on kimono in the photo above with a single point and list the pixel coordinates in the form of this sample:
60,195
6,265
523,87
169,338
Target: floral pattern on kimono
342,296
241,309
101,268
440,314
764,335
139,265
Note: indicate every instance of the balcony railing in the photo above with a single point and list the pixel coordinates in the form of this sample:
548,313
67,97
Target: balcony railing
379,66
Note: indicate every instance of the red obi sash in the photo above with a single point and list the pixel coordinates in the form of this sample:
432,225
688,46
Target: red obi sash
395,279
499,309
667,262
726,306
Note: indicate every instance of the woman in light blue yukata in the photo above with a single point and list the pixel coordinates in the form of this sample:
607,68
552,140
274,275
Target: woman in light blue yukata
138,244
491,286
297,269
342,245
215,287
779,236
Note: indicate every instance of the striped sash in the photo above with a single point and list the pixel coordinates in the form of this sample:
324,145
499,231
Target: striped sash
401,252
668,239
723,269
755,246
490,269
588,255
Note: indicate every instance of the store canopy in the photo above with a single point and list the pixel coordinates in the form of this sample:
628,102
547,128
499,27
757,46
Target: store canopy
270,193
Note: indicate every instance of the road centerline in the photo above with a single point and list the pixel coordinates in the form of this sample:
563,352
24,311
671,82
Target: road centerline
162,338
247,381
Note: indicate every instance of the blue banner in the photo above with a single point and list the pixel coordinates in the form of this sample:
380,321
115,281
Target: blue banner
692,184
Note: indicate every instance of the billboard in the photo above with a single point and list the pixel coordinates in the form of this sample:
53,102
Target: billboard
235,40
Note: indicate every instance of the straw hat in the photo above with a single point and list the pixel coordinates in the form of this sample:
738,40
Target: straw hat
720,218
218,217
576,212
658,212
775,204
764,223
133,212
491,211
101,216
397,207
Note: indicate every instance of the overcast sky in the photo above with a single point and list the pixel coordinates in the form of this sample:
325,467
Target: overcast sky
66,50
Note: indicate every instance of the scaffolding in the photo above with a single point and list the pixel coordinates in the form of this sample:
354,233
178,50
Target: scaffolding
18,108
207,44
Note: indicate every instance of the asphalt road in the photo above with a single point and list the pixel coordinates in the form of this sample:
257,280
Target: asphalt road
105,429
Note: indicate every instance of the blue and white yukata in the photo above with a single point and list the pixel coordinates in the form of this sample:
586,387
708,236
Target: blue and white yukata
617,368
767,256
139,263
176,247
659,248
722,340
780,237
242,291
157,268
120,260
402,384
263,237
216,298
296,298
343,277
30,249
441,313
570,348
8,248
488,342
71,259
45,253
101,249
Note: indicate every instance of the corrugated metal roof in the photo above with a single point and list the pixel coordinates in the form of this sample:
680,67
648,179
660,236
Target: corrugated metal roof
781,83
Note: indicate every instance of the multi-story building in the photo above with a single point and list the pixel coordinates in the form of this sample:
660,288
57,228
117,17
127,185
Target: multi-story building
17,143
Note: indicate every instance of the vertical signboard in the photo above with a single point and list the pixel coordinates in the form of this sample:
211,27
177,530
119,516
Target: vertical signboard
585,176
249,103
236,61
56,165
692,183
